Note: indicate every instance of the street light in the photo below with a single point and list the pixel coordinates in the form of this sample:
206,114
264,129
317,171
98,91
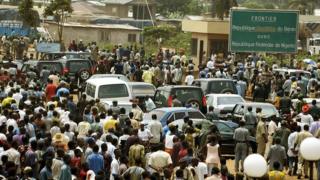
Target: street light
255,166
309,150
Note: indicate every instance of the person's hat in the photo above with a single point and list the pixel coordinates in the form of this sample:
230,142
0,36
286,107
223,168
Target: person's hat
27,169
305,108
57,138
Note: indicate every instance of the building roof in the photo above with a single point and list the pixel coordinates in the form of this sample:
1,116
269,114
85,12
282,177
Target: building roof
102,26
117,1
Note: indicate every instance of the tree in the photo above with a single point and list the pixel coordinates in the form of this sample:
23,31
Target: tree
29,16
59,10
304,6
166,7
221,8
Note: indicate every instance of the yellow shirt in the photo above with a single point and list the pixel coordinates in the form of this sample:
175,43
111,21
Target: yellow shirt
111,123
147,76
276,175
7,101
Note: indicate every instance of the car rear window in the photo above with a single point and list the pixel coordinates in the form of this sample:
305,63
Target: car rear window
219,86
142,90
113,91
76,66
52,66
187,94
229,100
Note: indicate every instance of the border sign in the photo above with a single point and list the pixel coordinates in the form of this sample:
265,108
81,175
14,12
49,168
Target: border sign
48,47
272,31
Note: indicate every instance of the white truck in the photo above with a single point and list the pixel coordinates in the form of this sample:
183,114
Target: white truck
313,44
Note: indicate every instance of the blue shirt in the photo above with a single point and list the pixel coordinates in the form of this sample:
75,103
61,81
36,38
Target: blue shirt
64,90
65,172
95,162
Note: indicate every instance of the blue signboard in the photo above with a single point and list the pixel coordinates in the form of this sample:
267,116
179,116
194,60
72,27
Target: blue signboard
48,47
13,28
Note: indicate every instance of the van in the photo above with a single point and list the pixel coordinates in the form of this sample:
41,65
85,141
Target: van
108,89
216,86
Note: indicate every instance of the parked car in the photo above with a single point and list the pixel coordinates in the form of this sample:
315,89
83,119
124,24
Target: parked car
126,105
292,72
185,94
240,110
142,89
223,102
307,101
226,129
172,114
216,85
118,76
38,66
108,89
66,55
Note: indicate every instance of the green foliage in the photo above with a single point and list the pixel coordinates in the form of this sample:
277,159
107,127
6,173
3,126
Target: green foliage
27,13
221,8
171,37
59,9
304,6
166,7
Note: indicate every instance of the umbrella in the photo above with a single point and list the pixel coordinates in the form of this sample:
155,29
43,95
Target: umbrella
309,61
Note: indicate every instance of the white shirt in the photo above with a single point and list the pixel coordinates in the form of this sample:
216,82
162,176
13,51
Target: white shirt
144,135
291,140
3,119
169,141
306,118
13,155
210,65
201,170
189,80
272,128
114,168
12,122
111,149
17,97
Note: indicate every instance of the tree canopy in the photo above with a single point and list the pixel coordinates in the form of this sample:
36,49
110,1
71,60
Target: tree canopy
29,16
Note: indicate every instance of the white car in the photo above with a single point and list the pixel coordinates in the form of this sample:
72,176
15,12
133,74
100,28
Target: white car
223,102
117,76
122,104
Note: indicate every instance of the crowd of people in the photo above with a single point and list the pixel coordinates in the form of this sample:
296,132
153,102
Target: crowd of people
46,133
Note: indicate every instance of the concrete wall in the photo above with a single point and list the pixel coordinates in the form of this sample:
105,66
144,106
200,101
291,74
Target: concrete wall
207,27
112,36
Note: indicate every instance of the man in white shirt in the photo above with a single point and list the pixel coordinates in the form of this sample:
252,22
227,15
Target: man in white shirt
115,164
159,160
144,134
155,128
189,79
200,168
305,117
17,96
272,127
292,152
210,64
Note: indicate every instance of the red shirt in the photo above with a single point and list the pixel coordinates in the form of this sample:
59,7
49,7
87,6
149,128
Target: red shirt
50,91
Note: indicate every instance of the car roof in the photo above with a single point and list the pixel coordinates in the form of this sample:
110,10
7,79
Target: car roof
103,81
257,104
224,95
173,109
213,79
177,87
140,83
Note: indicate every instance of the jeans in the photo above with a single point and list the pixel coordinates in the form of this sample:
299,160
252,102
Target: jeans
293,164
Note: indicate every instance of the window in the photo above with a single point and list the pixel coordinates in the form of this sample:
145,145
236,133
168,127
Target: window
196,115
132,38
130,11
75,66
105,35
179,115
184,95
223,128
108,91
194,46
114,10
229,100
90,91
171,118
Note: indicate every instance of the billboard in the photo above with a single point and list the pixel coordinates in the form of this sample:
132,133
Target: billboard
272,31
45,47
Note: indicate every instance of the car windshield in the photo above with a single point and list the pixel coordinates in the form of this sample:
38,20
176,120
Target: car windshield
159,114
76,66
229,100
108,91
219,86
266,110
196,115
187,94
